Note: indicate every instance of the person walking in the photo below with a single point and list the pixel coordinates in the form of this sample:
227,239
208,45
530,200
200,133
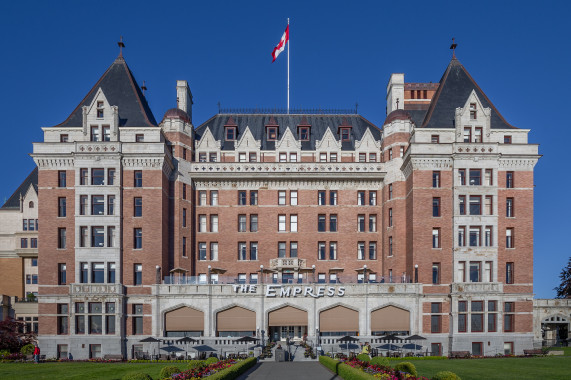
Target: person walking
366,349
36,353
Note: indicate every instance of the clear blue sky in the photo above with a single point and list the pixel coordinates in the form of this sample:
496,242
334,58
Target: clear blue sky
342,52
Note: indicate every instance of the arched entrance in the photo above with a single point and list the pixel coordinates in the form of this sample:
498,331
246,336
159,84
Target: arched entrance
236,321
390,320
339,321
184,321
555,331
287,322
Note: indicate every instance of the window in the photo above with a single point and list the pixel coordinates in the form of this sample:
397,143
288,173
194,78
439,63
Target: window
372,250
436,238
322,157
272,133
475,271
372,223
83,236
213,223
138,319
462,316
478,134
254,223
34,262
333,250
97,204
62,323
488,177
61,207
98,177
202,157
25,225
488,273
293,197
477,349
62,175
509,321
361,223
361,250
242,198
361,198
362,157
321,250
138,238
213,198
435,139
333,223
390,154
202,198
509,180
184,191
333,198
281,249
138,178
390,217
461,274
488,242
63,138
435,207
110,204
254,251
474,238
462,204
184,246
61,242
321,278
213,157
509,207
475,177
33,242
391,191
23,243
94,133
293,223
462,177
304,133
321,223
201,251
110,236
293,157
283,157
230,133
436,179
83,176
213,251
202,223
467,134
401,151
97,273
372,198
111,273
507,139
281,197
345,134
293,249
138,274
321,198
83,274
80,324
477,316
488,205
281,223
510,238
138,206
492,317
509,273
372,157
390,246
242,157
435,273
435,323
475,205
253,198
97,236
184,217
106,133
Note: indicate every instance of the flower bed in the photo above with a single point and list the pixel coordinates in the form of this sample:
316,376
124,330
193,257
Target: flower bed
231,367
357,369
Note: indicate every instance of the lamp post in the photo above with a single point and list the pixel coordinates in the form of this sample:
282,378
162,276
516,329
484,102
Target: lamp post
416,273
313,270
158,274
365,273
209,275
261,273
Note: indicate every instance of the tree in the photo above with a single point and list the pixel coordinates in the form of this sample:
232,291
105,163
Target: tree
11,336
564,288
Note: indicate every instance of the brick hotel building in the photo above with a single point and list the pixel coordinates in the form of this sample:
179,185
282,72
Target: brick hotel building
278,225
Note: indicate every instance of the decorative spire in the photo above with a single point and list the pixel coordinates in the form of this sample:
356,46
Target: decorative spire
121,46
144,88
453,48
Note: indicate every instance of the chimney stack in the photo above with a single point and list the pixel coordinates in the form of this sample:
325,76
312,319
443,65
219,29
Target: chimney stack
184,97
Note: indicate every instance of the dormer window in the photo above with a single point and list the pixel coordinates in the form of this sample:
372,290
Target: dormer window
272,133
304,133
63,138
507,139
435,139
478,134
139,137
473,114
345,133
94,133
99,109
230,133
467,134
106,133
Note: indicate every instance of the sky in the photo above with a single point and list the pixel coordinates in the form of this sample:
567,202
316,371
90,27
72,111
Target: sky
341,53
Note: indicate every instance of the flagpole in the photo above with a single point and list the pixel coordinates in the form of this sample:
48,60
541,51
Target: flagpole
288,42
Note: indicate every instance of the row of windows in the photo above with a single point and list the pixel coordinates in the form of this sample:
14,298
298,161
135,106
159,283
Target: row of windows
33,242
97,177
474,177
472,236
272,133
30,225
252,200
474,272
98,238
477,315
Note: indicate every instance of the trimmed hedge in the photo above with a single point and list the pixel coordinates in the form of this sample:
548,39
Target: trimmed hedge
446,375
343,370
167,372
234,371
211,360
380,360
195,364
407,367
137,376
364,358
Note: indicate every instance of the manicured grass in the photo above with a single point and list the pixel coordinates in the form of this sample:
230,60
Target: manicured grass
553,367
566,350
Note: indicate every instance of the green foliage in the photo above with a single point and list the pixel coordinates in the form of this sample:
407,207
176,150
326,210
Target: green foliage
344,371
195,364
211,360
4,353
236,370
167,372
446,375
407,367
364,358
137,376
564,288
380,360
28,349
329,363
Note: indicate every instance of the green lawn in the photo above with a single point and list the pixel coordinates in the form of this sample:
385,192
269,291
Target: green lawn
552,367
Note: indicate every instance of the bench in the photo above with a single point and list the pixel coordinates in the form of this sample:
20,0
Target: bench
532,352
460,354
113,357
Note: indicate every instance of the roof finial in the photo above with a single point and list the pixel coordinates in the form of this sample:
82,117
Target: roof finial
453,47
121,46
144,88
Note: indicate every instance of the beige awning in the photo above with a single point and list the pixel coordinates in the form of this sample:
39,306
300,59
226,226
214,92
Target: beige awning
179,270
288,316
361,270
334,270
184,319
339,318
305,270
390,318
217,270
236,319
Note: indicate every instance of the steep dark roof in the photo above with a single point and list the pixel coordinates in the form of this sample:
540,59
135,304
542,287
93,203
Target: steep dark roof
120,89
14,200
455,87
318,125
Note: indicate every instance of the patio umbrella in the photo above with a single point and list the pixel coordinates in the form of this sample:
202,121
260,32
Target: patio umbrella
347,339
204,348
171,349
247,339
150,339
187,339
415,337
389,346
411,346
391,337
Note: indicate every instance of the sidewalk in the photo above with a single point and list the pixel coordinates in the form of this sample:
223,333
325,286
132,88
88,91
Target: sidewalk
288,371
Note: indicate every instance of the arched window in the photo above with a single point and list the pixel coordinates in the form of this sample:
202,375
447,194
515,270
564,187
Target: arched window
31,204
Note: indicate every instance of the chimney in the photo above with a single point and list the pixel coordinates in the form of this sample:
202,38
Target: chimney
395,90
184,97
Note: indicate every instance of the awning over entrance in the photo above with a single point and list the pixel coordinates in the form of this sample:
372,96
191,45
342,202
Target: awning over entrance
288,316
184,319
338,318
236,319
390,318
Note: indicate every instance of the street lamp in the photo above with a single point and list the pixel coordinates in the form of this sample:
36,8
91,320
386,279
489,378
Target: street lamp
209,275
365,273
158,274
313,270
416,273
261,273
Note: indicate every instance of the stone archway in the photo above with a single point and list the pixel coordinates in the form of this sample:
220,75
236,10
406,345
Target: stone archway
555,330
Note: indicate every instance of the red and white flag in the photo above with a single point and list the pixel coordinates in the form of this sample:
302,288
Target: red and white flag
281,46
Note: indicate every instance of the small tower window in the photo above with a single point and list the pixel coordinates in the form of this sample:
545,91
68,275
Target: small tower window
272,133
473,114
99,109
31,204
230,133
345,134
304,133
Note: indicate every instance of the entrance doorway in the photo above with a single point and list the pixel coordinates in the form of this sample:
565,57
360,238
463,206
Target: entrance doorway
281,333
287,322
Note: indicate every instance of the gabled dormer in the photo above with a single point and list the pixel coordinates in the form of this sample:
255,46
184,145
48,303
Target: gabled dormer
247,148
368,149
272,130
473,121
304,130
207,148
230,130
288,149
100,119
345,130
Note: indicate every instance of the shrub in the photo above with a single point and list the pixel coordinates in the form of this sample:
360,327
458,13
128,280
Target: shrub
330,363
446,375
195,364
380,360
4,353
28,349
167,372
364,358
211,360
234,371
137,376
407,367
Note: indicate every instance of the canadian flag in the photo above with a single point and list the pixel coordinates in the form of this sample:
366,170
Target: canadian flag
281,45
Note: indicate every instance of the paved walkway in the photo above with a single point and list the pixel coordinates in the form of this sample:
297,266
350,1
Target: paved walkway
289,371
